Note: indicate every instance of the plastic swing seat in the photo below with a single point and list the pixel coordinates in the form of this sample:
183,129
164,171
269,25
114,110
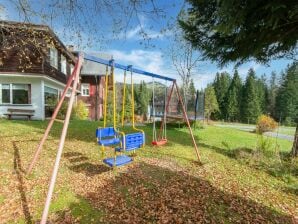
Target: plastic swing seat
118,160
133,141
107,136
160,142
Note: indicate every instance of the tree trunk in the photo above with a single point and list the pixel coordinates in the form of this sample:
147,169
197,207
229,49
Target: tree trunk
295,143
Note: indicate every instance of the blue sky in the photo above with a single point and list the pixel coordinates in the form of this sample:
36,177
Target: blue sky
129,48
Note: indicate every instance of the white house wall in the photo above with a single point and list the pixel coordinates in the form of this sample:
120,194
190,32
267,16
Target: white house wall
37,93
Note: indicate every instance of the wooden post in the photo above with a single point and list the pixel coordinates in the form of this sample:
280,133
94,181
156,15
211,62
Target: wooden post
61,143
50,124
187,122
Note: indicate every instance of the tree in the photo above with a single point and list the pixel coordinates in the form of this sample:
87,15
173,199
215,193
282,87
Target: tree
142,98
82,23
184,57
262,93
192,96
224,29
251,102
211,104
221,85
128,105
227,28
234,97
272,92
287,96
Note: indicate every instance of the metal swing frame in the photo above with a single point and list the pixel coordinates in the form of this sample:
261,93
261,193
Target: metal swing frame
73,81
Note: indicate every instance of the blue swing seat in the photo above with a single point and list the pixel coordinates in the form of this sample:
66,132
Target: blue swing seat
107,136
118,161
133,141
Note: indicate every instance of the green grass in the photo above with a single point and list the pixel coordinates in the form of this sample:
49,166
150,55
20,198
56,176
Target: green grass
259,183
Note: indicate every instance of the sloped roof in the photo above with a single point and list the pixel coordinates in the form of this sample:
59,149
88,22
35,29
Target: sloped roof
93,68
42,28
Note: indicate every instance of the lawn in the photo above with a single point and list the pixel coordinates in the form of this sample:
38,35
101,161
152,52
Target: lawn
243,178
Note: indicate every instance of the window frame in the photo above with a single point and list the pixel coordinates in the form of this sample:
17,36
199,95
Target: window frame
11,94
54,57
83,85
45,91
63,61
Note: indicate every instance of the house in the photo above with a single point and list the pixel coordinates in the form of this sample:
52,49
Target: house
92,85
34,68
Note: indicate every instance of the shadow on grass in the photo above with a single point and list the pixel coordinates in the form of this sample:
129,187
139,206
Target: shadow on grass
151,194
79,163
19,174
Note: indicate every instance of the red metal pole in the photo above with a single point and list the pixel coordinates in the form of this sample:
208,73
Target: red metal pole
61,143
166,111
187,122
50,124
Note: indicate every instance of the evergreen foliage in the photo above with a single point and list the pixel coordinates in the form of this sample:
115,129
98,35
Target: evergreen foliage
233,98
221,85
211,104
287,96
251,100
236,30
192,96
141,98
272,92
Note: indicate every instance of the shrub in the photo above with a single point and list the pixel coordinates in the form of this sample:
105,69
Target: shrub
80,111
62,112
265,123
264,146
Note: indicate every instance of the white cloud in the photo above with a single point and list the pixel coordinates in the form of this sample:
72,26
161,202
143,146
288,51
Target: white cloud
203,79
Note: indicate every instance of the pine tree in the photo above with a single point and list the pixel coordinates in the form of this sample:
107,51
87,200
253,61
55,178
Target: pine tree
142,97
192,96
234,97
272,92
262,92
287,96
221,85
128,104
251,104
211,104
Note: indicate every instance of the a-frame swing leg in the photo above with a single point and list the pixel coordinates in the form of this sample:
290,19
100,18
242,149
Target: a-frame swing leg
50,124
187,121
61,143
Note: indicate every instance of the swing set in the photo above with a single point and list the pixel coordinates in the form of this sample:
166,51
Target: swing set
112,136
107,136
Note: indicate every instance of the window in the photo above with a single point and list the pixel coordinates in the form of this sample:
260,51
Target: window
85,89
5,93
50,96
63,64
15,93
53,55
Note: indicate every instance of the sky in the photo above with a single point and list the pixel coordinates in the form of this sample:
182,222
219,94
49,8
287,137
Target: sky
129,48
